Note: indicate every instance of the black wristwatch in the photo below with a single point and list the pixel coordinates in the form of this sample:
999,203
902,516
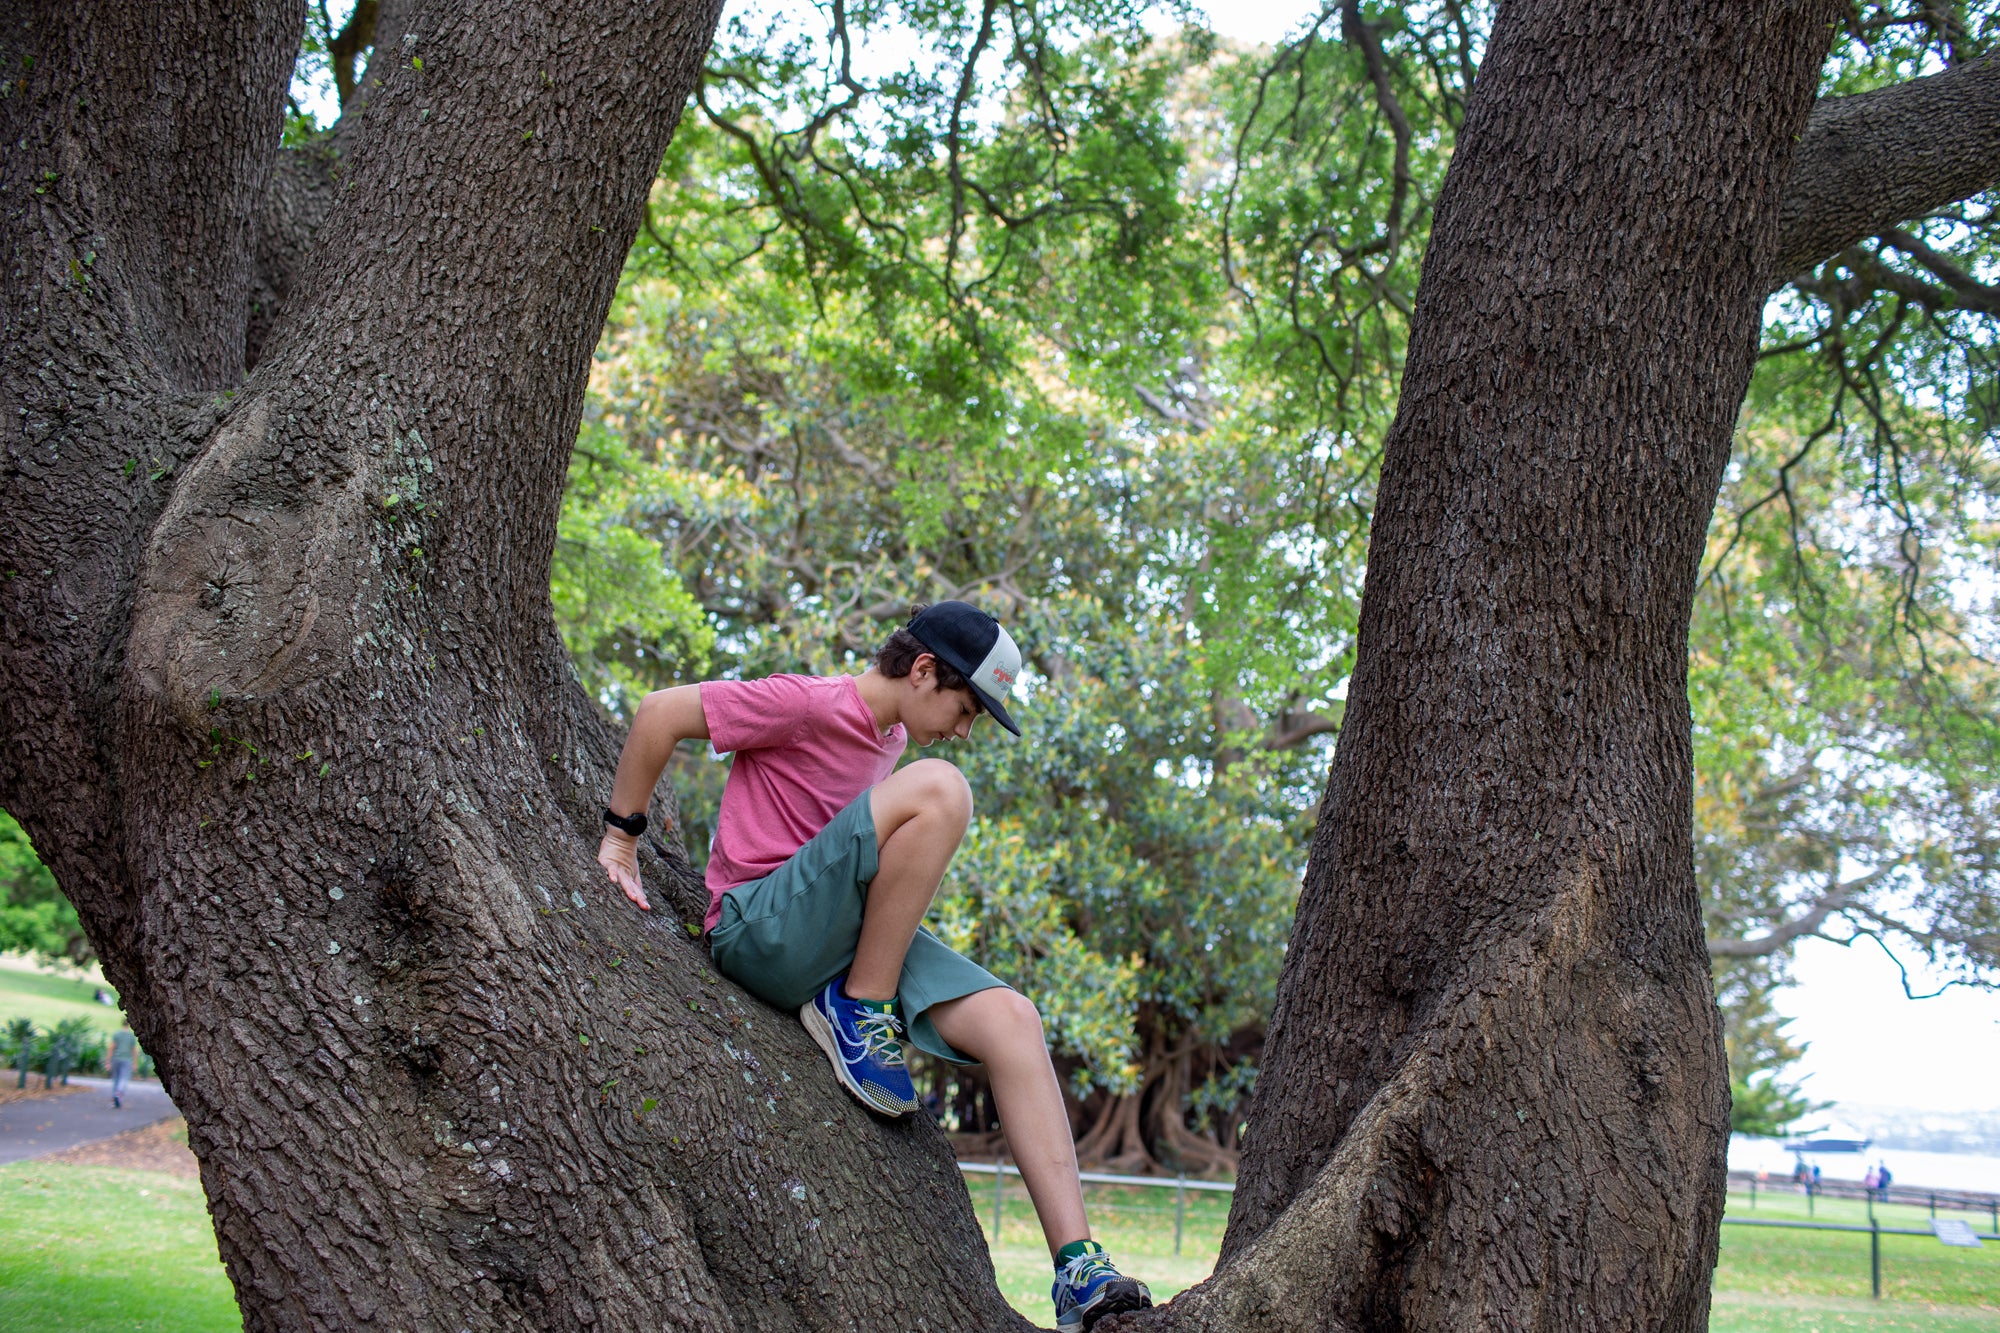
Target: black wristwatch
630,825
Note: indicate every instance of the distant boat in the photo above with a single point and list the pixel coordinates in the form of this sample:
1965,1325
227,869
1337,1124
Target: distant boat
1828,1145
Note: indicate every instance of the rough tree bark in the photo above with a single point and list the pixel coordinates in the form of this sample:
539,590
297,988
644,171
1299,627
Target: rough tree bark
1493,1094
283,702
284,705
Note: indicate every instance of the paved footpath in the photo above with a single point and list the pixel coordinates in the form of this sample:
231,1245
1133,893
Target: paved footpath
51,1124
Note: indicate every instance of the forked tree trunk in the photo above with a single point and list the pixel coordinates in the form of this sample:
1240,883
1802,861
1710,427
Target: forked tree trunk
1493,1094
285,707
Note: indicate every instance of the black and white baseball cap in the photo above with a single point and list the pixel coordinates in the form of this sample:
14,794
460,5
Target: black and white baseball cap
971,642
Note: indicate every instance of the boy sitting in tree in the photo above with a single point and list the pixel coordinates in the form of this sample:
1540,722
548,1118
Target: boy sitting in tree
826,858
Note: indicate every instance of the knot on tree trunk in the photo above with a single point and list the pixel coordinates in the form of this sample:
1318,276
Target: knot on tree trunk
259,577
1544,1153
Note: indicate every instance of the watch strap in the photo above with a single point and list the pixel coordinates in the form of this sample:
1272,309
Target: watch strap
630,825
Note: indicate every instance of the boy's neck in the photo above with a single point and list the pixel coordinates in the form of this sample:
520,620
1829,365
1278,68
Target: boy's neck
883,697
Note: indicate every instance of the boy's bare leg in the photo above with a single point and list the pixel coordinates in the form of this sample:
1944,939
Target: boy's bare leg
1002,1030
921,813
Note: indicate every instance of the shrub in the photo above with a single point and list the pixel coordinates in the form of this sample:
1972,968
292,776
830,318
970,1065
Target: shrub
71,1046
75,1044
17,1048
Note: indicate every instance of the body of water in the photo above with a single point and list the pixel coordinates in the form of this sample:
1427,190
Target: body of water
1935,1170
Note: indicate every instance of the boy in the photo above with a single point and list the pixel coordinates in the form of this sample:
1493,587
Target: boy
826,858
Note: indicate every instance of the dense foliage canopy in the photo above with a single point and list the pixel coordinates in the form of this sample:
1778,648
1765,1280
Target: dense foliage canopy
1107,334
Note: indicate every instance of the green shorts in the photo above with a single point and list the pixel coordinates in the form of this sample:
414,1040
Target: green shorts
783,937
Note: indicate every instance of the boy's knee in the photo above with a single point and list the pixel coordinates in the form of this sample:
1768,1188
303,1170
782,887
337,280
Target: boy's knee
943,788
998,1027
1019,1017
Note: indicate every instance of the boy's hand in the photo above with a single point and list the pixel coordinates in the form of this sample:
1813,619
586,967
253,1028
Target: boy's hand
619,855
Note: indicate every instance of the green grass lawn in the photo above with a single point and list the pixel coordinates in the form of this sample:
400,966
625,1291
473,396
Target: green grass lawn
91,1249
1916,1270
1136,1224
1794,1281
47,999
1749,1312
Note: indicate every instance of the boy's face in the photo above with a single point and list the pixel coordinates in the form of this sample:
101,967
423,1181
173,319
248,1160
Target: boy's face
932,713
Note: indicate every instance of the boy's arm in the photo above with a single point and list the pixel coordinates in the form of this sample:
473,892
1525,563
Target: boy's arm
665,719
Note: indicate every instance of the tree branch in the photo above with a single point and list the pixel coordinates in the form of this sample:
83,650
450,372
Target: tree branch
1170,411
288,218
1295,729
383,42
1837,898
1354,28
1868,162
346,46
954,139
1967,291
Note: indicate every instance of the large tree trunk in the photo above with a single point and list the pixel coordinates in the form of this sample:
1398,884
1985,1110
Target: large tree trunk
1493,1094
286,710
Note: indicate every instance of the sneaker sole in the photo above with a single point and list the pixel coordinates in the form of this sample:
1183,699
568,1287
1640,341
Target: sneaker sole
1112,1302
821,1032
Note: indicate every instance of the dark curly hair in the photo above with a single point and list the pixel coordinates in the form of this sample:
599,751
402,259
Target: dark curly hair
901,651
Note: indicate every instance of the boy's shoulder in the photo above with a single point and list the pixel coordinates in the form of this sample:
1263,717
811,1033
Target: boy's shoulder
781,709
780,684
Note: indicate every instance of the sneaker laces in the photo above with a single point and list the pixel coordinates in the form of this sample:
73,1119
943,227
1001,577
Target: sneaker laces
1091,1264
881,1035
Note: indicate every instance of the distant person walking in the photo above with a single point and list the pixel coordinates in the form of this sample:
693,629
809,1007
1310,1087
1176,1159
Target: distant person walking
124,1047
1882,1178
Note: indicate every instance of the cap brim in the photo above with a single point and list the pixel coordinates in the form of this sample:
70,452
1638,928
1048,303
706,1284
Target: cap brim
993,706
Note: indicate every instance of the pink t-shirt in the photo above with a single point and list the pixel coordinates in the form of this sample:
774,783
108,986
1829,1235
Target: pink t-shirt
805,747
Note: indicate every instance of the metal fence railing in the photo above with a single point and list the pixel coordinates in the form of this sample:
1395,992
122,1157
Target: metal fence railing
1951,1199
1915,1196
1180,1185
1874,1230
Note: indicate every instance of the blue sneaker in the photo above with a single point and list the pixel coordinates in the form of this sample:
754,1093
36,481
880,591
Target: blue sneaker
1089,1288
866,1049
